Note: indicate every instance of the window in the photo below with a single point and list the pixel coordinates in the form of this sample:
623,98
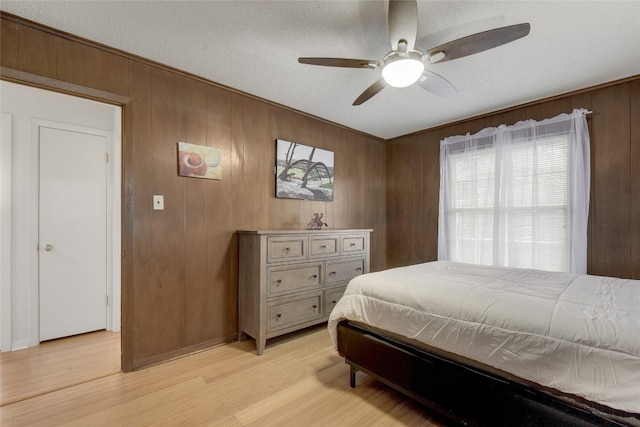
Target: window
516,196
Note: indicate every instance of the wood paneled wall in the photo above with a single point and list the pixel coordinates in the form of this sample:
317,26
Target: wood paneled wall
180,267
614,217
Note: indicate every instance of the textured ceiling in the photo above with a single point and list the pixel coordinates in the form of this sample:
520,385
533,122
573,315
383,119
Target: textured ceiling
253,46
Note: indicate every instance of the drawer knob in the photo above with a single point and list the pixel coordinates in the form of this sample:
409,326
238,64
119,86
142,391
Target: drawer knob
323,247
334,301
279,281
314,306
352,244
278,315
359,269
287,249
332,273
314,276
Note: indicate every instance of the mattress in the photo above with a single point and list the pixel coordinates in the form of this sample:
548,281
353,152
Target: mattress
578,334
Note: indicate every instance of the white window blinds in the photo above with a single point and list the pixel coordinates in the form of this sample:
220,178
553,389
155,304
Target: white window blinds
517,195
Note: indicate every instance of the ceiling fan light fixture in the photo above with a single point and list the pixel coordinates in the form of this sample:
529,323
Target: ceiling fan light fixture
402,69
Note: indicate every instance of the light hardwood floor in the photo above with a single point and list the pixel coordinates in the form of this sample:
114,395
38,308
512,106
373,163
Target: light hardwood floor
57,364
299,381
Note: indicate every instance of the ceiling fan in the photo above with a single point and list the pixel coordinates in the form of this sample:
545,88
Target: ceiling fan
405,65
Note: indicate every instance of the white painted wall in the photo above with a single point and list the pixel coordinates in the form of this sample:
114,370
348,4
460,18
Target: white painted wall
28,106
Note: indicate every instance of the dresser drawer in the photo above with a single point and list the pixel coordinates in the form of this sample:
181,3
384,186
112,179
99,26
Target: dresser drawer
353,244
339,271
286,248
293,311
323,246
331,299
293,278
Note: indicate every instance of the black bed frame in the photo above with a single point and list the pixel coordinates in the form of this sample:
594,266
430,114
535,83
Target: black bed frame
465,395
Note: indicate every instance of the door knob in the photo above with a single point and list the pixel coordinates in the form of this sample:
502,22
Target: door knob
48,248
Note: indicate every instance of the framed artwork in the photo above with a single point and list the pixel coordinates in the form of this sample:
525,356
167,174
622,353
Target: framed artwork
303,172
199,161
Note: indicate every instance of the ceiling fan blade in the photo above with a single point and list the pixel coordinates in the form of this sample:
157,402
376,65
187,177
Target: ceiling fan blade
403,22
437,84
479,42
339,62
370,92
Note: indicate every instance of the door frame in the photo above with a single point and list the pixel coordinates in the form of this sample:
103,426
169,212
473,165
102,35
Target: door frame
113,225
6,228
113,195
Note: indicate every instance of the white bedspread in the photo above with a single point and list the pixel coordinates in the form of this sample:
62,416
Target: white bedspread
578,334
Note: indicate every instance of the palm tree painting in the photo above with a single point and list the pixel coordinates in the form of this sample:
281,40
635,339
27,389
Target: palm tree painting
303,172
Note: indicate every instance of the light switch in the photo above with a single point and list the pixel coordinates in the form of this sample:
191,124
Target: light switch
158,202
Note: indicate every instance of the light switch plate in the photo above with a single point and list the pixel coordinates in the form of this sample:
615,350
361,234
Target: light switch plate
158,202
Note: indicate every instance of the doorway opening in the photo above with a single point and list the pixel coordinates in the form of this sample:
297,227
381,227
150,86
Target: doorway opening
28,110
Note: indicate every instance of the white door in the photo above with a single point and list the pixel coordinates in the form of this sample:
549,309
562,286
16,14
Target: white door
72,233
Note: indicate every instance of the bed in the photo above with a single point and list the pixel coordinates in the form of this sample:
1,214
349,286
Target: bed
488,345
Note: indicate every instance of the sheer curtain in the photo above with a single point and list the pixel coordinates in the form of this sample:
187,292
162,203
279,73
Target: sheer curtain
517,195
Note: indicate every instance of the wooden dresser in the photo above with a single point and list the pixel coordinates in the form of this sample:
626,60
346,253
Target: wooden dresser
289,280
